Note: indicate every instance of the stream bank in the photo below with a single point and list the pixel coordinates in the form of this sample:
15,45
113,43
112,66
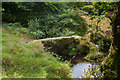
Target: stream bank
76,50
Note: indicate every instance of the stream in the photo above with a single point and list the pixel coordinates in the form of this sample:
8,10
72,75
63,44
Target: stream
79,69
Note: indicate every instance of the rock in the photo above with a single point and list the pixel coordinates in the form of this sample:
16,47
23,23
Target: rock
66,46
63,46
83,47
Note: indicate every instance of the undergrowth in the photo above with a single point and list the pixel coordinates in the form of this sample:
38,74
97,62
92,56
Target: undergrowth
28,59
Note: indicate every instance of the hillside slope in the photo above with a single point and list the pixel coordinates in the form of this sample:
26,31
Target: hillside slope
28,60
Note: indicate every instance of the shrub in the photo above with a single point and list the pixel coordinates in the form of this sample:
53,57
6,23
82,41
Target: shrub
88,9
51,25
93,71
101,39
96,36
74,22
67,32
7,17
83,47
16,27
12,25
94,56
104,44
41,29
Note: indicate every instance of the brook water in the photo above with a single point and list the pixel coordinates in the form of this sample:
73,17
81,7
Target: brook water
79,69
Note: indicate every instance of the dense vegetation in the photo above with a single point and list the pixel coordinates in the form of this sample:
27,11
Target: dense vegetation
28,21
28,60
38,20
45,19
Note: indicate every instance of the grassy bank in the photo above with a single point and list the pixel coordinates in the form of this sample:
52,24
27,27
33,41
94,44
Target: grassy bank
22,59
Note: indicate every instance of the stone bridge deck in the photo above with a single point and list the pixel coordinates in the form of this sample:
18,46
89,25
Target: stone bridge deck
55,38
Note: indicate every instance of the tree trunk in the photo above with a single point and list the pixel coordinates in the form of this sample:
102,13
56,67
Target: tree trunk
111,65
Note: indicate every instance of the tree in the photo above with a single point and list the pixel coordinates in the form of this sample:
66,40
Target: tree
104,8
23,11
76,5
111,65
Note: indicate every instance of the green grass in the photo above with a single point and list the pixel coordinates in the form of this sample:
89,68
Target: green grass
28,60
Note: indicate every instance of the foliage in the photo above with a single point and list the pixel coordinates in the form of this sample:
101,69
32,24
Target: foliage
51,25
28,60
23,11
107,66
81,12
75,22
96,36
83,47
43,28
88,9
94,56
45,19
75,5
104,44
16,26
104,7
67,32
110,66
92,72
101,39
12,12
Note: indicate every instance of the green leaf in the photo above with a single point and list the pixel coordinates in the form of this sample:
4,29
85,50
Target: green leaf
73,49
92,18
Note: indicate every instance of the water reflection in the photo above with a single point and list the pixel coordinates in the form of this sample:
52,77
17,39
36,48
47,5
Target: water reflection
79,69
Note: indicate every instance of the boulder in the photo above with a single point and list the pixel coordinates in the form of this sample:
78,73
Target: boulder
66,46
